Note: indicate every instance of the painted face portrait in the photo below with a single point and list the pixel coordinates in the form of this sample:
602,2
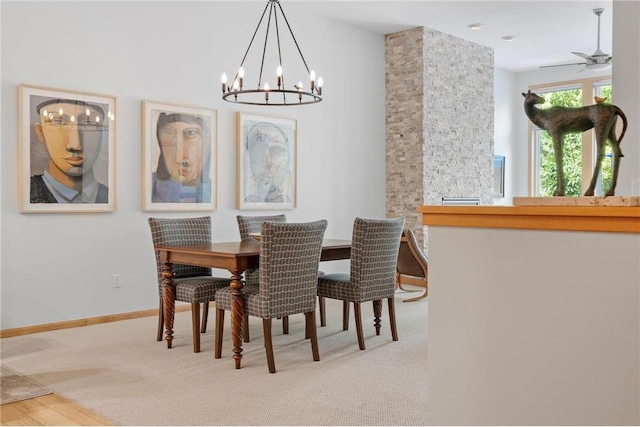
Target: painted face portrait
72,133
182,141
269,161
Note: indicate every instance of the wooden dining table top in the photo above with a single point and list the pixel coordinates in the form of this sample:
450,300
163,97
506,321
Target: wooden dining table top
248,248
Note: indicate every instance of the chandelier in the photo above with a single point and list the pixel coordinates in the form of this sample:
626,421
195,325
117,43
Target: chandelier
280,93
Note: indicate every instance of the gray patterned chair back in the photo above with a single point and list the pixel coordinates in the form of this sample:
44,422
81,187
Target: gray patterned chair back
289,257
180,231
374,254
251,224
411,259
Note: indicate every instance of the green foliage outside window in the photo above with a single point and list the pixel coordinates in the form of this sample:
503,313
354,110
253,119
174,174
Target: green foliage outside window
572,149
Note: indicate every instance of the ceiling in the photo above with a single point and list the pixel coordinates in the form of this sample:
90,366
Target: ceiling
546,32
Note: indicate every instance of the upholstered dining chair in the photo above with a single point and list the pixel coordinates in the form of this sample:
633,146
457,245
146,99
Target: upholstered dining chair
374,253
412,265
248,225
287,285
194,285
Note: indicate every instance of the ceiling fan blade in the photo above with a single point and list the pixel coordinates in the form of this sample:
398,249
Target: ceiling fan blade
582,55
563,65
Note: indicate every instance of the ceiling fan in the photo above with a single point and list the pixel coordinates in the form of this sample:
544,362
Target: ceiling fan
595,62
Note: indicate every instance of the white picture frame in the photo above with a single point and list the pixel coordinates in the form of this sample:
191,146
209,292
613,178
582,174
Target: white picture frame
267,162
179,155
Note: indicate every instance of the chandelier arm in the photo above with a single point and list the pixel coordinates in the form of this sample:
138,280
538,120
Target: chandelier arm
252,38
284,94
293,37
264,48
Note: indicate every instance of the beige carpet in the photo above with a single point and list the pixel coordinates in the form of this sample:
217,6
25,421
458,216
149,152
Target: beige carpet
121,372
15,387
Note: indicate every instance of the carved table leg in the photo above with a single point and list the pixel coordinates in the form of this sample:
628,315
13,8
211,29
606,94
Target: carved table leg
377,312
169,300
237,315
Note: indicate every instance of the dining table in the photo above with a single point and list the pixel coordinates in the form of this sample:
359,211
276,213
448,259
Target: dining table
236,257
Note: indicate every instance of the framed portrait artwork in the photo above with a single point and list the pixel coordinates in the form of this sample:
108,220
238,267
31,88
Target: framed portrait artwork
498,176
66,150
267,151
179,157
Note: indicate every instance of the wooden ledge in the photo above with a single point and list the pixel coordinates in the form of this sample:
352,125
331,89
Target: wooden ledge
570,218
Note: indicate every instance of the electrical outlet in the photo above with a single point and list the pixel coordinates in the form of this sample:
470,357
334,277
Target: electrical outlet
116,281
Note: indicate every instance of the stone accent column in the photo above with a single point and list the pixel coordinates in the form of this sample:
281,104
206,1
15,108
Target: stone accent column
404,105
439,121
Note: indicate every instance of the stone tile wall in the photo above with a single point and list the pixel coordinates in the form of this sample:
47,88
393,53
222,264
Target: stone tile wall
439,121
404,105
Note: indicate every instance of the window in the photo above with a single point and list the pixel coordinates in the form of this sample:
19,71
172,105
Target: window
578,148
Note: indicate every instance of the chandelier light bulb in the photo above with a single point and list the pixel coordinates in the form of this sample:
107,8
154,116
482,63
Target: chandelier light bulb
320,83
73,119
279,76
87,112
60,112
266,91
224,82
312,77
240,76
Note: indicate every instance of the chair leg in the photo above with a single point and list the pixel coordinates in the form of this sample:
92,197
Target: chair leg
392,318
310,323
245,328
285,325
377,313
358,315
160,320
195,326
268,345
205,317
345,315
323,312
219,329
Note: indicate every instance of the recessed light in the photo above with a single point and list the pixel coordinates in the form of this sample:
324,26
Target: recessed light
508,38
475,26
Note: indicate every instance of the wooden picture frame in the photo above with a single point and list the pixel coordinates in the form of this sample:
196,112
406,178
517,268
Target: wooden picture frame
67,143
179,156
498,176
267,162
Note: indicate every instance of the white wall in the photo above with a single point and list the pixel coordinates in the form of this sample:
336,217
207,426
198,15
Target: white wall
504,85
626,86
536,329
58,267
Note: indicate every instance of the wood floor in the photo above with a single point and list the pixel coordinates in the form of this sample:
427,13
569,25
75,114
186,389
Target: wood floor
48,410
